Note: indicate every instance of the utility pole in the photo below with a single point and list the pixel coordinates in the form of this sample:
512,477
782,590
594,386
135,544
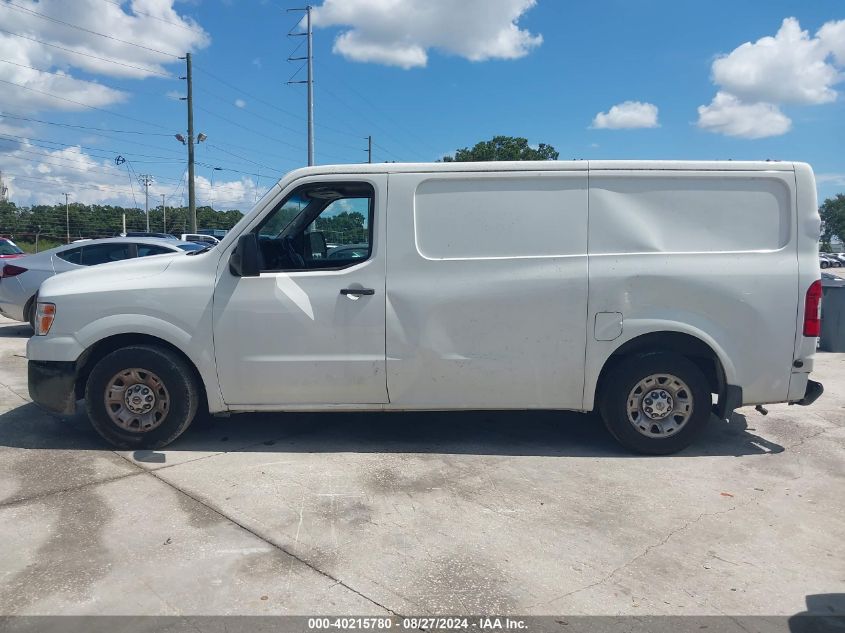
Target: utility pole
370,149
192,200
146,180
309,59
163,215
67,217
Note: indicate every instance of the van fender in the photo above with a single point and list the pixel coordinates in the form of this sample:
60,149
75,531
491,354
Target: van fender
199,351
599,352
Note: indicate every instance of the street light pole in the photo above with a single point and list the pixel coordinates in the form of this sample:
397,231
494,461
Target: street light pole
192,201
163,215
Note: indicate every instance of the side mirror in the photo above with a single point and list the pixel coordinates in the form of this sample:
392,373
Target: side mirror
318,244
244,259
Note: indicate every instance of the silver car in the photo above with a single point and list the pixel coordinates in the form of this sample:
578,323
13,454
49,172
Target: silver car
20,278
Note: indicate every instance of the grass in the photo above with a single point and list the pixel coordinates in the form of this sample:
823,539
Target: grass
43,245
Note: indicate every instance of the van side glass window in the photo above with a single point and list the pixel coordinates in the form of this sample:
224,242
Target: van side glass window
319,226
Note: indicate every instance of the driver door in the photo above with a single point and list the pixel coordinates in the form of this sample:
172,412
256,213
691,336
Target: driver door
309,330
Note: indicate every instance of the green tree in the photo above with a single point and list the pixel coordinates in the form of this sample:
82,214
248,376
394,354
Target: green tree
832,212
503,148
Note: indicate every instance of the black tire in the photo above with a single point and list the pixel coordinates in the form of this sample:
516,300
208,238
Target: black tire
621,381
30,311
174,373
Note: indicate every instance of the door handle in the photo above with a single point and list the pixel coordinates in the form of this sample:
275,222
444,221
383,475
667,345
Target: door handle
357,291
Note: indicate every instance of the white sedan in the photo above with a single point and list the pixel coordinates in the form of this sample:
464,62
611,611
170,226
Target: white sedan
21,278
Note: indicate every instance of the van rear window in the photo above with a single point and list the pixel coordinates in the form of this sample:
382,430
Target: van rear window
501,217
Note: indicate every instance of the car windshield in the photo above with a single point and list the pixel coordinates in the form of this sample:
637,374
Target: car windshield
193,246
7,248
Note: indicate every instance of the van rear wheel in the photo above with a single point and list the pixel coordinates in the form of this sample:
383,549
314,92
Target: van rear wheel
656,403
141,397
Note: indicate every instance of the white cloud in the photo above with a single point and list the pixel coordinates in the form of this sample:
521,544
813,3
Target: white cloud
228,194
103,17
728,115
400,32
755,79
37,175
240,103
790,67
627,115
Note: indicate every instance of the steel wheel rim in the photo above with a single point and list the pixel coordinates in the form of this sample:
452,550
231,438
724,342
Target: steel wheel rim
659,405
136,400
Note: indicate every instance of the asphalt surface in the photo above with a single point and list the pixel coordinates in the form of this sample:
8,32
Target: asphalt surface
482,512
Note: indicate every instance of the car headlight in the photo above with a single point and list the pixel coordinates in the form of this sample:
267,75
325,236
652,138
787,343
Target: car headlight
44,315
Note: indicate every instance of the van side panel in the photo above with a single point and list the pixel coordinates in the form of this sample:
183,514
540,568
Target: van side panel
708,253
487,289
808,225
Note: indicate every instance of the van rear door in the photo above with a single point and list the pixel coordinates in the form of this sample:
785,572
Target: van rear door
487,289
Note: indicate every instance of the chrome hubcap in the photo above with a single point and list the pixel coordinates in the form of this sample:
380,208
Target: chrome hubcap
137,400
659,405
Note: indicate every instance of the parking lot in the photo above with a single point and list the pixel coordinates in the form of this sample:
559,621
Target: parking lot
482,512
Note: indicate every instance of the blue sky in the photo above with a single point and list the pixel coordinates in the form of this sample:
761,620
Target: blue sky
782,99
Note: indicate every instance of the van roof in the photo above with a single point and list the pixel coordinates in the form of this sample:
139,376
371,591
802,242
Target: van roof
552,165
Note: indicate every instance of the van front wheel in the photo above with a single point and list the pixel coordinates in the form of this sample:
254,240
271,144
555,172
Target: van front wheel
141,397
656,403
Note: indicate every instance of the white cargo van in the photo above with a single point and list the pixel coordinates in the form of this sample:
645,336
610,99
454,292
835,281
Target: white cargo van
638,289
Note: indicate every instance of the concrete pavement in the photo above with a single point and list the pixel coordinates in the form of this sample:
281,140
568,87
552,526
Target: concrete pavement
483,512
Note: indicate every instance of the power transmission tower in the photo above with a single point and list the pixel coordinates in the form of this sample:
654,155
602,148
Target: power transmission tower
146,180
67,216
163,215
4,190
309,59
370,149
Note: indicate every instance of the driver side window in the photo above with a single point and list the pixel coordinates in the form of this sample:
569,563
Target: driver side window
318,226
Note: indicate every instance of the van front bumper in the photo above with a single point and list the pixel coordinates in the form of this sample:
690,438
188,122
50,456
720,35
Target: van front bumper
52,385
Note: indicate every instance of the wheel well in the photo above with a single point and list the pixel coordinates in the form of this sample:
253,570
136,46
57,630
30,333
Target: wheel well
28,306
106,346
686,345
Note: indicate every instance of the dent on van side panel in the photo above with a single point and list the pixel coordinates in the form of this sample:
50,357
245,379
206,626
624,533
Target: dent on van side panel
708,253
487,290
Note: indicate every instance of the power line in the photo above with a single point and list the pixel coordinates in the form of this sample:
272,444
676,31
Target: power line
383,113
272,105
66,76
82,127
44,16
102,59
86,147
62,182
248,129
84,105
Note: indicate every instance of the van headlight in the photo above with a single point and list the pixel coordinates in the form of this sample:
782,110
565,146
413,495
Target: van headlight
44,315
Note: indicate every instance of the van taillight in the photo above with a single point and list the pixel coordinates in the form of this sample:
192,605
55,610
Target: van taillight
813,309
10,270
